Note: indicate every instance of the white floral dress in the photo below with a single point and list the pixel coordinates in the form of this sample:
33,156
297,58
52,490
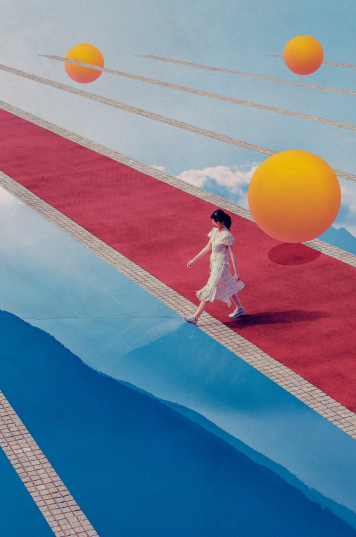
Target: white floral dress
221,284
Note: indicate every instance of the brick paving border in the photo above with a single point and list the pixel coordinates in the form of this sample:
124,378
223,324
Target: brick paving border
250,353
316,244
156,117
249,75
53,499
292,382
336,64
202,93
50,494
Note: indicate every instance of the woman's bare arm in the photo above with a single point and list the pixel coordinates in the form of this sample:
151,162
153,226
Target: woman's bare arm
234,263
203,252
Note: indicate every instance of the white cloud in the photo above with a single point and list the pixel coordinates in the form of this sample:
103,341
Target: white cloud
347,214
348,197
161,168
236,180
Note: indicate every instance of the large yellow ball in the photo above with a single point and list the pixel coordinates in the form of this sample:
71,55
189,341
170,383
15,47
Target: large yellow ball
87,54
294,196
303,55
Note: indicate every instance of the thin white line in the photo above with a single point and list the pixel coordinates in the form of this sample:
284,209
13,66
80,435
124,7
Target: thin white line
156,117
202,93
336,64
238,73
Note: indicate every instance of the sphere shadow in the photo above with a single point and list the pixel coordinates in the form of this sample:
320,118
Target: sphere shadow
292,254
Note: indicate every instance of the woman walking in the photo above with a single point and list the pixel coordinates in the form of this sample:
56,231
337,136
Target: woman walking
221,284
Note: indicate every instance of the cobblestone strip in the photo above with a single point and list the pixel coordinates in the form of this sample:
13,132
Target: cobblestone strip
48,491
280,374
215,200
239,73
332,251
337,64
211,95
155,117
138,111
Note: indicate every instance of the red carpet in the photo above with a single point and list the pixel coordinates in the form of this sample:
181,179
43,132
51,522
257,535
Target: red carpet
300,304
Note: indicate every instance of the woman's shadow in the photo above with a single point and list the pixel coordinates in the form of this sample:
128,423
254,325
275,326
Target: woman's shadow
276,317
284,254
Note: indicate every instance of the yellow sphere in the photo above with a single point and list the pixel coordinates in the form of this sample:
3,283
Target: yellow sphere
294,196
87,54
303,55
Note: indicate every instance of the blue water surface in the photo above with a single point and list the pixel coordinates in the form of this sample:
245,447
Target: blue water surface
135,466
19,515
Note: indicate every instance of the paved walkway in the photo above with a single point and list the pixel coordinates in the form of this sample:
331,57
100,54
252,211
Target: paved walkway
337,64
210,95
280,374
259,77
50,494
162,119
289,296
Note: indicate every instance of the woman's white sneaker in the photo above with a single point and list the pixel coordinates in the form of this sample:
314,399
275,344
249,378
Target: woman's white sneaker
237,313
190,319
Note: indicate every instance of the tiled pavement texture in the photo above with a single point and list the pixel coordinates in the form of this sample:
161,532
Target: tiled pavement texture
210,95
337,64
153,116
284,377
229,206
54,500
259,77
59,508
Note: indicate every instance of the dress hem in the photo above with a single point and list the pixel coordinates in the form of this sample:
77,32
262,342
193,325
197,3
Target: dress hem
210,292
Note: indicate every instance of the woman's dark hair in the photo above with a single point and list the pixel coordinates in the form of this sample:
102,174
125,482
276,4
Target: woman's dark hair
220,216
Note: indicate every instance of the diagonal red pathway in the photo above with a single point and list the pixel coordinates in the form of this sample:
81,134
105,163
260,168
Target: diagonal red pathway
301,314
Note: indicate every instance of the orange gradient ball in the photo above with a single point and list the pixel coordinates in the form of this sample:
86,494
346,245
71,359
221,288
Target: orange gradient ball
294,196
87,54
303,55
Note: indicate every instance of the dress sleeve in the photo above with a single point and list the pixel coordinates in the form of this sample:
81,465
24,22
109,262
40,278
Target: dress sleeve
228,240
211,233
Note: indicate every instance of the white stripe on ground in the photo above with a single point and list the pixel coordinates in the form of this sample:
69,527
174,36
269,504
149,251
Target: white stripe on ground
239,73
280,374
155,117
202,93
53,499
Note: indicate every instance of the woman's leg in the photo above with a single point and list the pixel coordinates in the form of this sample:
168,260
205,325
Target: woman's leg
202,307
235,299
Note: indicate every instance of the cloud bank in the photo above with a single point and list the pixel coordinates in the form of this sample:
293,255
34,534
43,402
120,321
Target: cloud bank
234,180
230,183
347,213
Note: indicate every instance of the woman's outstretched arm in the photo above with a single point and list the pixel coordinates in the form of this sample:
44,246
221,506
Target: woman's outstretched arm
234,263
203,252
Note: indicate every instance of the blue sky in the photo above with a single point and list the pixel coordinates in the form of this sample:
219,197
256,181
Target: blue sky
233,35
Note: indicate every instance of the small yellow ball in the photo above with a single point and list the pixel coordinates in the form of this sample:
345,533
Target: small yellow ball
87,54
303,55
